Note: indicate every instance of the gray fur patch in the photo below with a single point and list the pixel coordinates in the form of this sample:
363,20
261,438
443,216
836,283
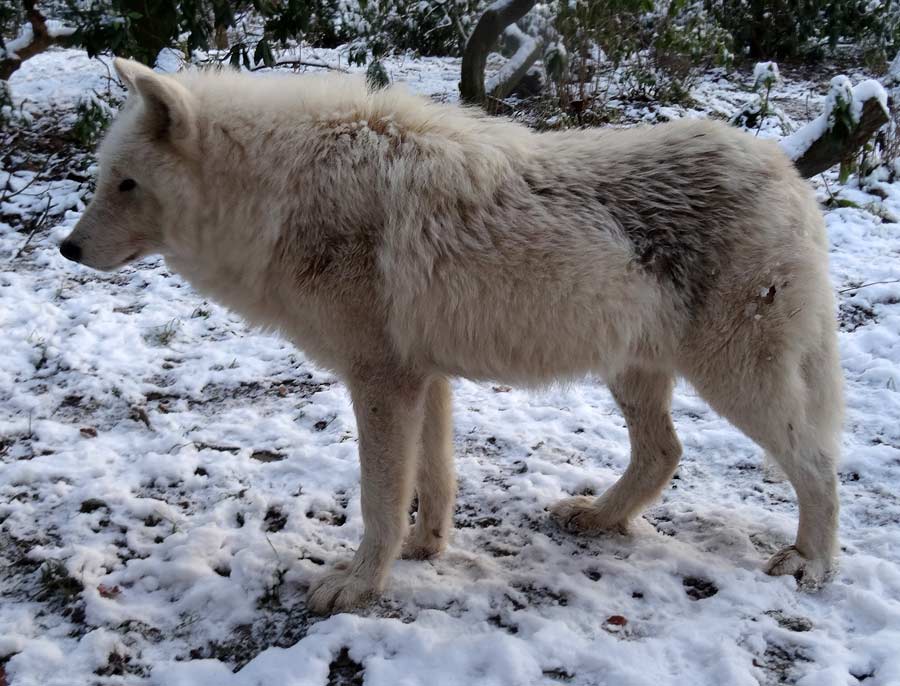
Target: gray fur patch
680,213
683,215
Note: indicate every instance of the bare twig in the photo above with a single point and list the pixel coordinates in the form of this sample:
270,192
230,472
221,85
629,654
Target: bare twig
866,285
37,225
8,196
827,188
109,80
272,546
298,63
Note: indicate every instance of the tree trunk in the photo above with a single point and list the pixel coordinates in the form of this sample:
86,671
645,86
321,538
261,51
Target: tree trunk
492,23
221,37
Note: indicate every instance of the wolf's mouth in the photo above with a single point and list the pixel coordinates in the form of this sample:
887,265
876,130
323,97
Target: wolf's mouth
118,265
128,260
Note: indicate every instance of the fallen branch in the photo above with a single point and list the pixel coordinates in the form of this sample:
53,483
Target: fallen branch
821,144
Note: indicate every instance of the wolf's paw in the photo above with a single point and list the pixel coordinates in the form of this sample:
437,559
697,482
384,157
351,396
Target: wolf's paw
422,544
580,515
339,591
810,574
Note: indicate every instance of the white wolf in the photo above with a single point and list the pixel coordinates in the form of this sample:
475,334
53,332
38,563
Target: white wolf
400,242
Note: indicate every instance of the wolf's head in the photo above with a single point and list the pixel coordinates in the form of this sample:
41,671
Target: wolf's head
145,164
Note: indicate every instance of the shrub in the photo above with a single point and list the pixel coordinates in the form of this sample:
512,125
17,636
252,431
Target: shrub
654,51
92,116
424,27
759,113
138,29
806,29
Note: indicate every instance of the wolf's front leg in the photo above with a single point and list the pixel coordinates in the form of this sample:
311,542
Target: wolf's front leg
389,406
435,476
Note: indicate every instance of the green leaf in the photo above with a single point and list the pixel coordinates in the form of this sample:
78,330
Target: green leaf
263,53
841,202
845,171
377,76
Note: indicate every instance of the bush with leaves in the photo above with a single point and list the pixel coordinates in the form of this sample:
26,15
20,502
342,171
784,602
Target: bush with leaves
92,116
683,42
138,29
805,29
652,50
760,113
423,27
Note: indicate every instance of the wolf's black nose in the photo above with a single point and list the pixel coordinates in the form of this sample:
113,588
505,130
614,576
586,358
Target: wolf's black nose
70,250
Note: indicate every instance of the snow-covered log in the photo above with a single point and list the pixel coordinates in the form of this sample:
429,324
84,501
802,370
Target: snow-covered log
851,117
36,36
495,20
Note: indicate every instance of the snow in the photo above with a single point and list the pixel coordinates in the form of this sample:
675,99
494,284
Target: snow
765,74
205,523
20,42
169,61
57,29
869,89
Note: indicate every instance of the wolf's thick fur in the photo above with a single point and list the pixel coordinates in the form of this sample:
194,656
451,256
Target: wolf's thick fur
401,242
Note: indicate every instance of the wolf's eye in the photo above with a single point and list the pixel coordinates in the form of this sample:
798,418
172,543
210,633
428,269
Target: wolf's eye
127,185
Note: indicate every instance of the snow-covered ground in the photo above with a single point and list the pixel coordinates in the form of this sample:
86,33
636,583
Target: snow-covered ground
170,482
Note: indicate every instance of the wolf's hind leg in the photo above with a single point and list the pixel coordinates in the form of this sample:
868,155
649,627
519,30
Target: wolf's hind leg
644,397
809,455
791,405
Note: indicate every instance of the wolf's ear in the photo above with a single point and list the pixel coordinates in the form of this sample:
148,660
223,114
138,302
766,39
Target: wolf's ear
168,106
128,71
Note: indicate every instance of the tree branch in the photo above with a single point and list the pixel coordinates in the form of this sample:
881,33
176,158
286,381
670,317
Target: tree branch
41,39
492,23
528,50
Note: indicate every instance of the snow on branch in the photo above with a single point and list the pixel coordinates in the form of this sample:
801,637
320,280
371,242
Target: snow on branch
501,84
851,116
